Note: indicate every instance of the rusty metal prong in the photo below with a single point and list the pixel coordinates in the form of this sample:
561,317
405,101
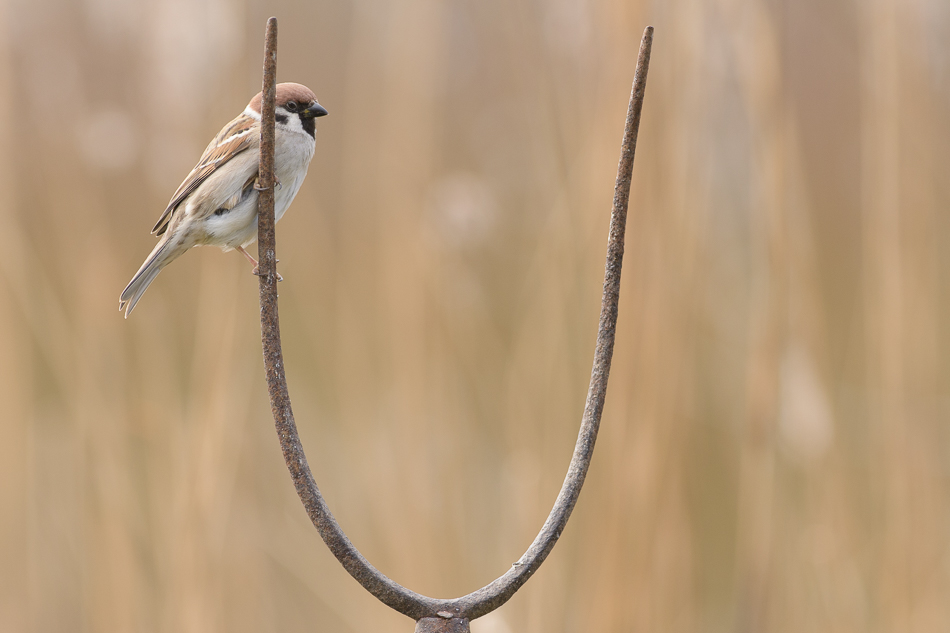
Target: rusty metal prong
433,615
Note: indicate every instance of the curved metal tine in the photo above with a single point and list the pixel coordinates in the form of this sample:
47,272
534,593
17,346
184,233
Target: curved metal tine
455,612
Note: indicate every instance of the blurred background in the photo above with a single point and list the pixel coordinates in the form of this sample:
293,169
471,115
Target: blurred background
774,454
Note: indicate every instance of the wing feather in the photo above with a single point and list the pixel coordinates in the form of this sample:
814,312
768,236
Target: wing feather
234,138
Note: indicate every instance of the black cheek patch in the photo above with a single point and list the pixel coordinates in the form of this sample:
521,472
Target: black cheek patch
281,118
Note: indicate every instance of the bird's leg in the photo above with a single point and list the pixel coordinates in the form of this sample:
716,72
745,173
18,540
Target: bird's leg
254,261
249,258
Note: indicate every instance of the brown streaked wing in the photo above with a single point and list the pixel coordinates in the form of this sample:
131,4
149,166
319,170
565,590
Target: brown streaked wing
233,139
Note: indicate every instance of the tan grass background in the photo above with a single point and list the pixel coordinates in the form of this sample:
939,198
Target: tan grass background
775,453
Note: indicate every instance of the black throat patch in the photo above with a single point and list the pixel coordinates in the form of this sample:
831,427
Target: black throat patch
309,125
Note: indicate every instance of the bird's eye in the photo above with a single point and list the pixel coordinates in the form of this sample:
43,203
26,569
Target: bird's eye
292,106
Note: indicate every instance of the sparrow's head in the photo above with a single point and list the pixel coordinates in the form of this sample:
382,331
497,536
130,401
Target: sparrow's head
296,107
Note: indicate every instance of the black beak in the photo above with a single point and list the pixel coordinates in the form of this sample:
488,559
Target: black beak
314,111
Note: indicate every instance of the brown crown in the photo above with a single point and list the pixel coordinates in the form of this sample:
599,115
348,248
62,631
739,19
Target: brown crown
286,93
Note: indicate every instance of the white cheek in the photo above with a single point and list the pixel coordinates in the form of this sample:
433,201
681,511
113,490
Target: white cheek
291,121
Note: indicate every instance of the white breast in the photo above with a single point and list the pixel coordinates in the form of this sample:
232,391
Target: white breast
292,154
291,159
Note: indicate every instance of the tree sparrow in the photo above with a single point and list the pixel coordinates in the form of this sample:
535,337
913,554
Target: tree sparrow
217,203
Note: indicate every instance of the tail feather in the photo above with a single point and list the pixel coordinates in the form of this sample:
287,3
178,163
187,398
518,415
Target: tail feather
154,263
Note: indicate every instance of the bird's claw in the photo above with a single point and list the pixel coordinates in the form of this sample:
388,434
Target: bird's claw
258,273
257,184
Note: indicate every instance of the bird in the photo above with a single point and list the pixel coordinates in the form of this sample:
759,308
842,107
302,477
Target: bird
216,205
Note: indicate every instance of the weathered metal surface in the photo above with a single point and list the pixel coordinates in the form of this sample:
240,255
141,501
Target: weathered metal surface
442,625
433,615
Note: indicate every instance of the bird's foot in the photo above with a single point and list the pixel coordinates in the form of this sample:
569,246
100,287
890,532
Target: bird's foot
256,265
259,273
257,184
